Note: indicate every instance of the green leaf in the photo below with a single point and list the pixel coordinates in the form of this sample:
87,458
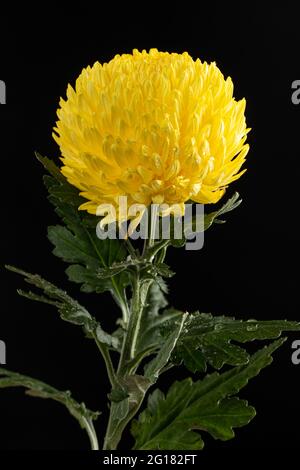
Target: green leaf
118,394
193,359
162,269
229,206
36,388
156,365
208,339
169,423
150,338
112,270
77,242
189,226
69,309
135,387
156,249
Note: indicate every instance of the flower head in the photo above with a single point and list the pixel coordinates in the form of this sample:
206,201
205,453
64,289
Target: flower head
155,127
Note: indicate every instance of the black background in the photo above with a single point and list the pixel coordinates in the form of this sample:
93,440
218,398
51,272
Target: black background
247,268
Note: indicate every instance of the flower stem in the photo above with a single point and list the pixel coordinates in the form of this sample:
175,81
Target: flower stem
153,213
115,425
114,432
117,420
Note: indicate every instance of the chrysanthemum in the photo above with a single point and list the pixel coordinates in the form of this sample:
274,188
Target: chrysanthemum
155,127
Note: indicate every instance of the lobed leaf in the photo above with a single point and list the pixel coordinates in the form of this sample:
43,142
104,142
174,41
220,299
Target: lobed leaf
69,309
208,339
173,422
77,243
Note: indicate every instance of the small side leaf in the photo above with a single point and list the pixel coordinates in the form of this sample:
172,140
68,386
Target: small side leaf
37,388
229,206
156,365
206,221
150,337
69,309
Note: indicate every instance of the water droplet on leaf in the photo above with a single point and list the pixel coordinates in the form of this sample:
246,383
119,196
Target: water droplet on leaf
252,327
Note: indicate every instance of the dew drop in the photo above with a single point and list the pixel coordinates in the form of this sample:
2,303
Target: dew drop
252,327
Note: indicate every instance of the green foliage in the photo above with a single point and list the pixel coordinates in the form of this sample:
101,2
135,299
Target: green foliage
36,388
150,336
208,339
164,337
135,387
190,226
69,309
151,339
160,361
230,205
77,243
169,422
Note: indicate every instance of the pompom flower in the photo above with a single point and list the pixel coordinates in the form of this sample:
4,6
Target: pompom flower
154,127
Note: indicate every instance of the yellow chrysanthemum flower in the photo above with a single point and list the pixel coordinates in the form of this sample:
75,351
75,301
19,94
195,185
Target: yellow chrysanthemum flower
155,127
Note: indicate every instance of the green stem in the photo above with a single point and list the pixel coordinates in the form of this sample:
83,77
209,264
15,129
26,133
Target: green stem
115,425
89,427
109,443
107,359
153,217
130,248
121,300
128,361
130,339
114,432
